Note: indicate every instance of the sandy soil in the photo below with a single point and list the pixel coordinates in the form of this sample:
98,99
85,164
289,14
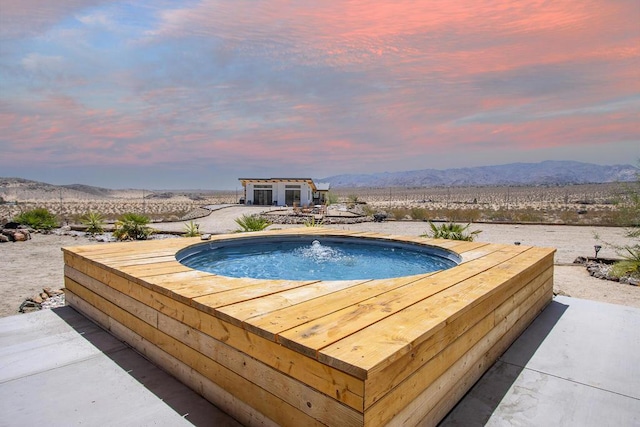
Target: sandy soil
27,267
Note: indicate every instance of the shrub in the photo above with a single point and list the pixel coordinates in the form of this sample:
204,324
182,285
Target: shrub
399,213
469,215
368,210
38,219
132,226
630,265
451,231
94,222
419,214
312,222
252,223
191,229
331,198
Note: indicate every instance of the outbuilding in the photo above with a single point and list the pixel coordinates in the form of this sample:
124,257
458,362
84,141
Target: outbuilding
284,191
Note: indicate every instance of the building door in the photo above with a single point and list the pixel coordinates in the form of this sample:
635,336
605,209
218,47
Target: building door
262,197
292,197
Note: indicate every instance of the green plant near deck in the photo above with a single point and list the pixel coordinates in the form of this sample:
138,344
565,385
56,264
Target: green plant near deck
191,229
252,223
94,222
313,222
451,231
38,219
132,226
630,265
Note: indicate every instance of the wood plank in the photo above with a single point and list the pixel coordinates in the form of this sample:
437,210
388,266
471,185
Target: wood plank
244,310
435,402
383,381
211,303
243,389
131,262
378,345
445,369
122,300
313,336
270,325
155,269
315,404
330,381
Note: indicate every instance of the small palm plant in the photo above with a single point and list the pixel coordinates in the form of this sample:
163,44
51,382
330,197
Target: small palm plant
630,265
451,231
252,223
313,222
94,222
38,219
132,226
191,229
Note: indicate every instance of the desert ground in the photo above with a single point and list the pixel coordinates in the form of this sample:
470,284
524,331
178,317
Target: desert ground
27,267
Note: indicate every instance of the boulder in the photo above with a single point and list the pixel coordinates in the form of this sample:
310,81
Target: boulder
21,236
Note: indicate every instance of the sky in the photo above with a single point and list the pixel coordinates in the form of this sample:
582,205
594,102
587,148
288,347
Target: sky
196,94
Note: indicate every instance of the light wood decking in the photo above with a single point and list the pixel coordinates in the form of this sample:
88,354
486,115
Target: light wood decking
396,351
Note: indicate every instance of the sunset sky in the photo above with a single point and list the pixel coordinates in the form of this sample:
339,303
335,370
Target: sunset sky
195,94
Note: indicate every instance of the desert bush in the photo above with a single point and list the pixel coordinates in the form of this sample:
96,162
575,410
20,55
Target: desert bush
399,213
132,226
331,198
369,210
529,215
38,219
94,222
451,231
252,223
469,215
191,229
419,214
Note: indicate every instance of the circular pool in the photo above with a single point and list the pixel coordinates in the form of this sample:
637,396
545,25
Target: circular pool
314,257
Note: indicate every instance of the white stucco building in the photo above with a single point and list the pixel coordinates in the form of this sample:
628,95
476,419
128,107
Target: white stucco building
283,191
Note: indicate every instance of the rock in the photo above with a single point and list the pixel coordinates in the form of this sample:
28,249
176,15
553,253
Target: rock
16,235
37,300
3,238
20,236
634,281
44,296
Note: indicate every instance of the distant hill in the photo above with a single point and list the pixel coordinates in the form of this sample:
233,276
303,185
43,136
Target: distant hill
16,189
12,189
544,173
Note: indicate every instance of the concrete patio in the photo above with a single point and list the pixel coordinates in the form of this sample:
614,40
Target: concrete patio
576,365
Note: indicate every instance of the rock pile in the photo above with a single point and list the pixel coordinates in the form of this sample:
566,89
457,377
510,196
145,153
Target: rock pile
301,219
14,232
48,298
602,269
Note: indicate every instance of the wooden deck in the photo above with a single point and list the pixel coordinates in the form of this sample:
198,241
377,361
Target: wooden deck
398,351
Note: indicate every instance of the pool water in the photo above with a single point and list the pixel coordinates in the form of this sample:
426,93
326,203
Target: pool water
315,260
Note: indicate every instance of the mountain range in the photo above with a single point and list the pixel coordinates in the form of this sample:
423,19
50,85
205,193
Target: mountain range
544,173
517,174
